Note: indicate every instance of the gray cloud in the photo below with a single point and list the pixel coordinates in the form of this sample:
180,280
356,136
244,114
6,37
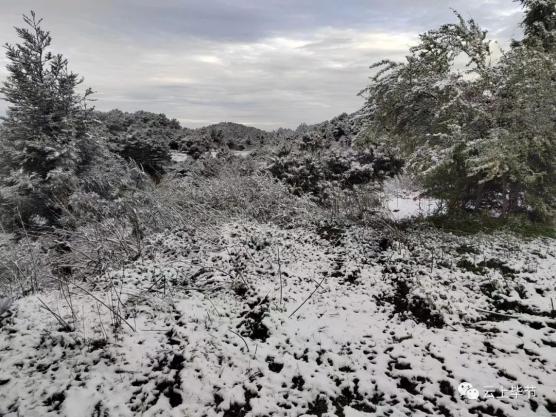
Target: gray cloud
269,64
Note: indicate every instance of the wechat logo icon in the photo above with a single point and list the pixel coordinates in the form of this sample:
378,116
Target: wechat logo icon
465,389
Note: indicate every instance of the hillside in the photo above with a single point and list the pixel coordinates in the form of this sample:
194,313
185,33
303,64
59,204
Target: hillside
234,135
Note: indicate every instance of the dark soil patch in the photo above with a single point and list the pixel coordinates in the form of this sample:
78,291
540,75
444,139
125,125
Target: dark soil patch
55,401
298,382
409,386
463,249
274,366
407,305
353,399
174,397
100,411
177,362
331,233
172,337
550,405
170,390
513,306
353,277
499,265
487,410
469,266
97,344
240,410
446,388
384,244
318,407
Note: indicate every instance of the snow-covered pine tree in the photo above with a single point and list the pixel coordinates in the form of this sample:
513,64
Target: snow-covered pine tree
45,121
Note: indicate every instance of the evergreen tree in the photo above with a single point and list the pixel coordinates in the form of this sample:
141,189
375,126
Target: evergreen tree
45,122
517,157
480,139
539,24
425,106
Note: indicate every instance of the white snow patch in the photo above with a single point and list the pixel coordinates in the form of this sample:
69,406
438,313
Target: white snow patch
179,156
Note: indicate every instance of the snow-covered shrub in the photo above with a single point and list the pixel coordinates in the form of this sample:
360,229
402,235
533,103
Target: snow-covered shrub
223,164
5,304
195,147
24,199
361,203
317,174
230,194
539,25
224,135
411,300
142,137
89,250
340,130
24,268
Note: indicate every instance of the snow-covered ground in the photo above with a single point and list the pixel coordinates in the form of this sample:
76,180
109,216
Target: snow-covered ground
403,202
409,205
254,320
242,154
5,239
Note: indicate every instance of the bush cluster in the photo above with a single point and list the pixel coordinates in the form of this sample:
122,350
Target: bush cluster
319,173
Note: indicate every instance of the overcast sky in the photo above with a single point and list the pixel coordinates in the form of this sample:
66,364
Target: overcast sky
266,63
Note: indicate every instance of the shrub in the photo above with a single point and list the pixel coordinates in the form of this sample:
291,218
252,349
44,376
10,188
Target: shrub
24,268
318,174
142,137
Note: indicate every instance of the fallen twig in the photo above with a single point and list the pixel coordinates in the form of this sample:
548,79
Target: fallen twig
307,299
241,337
482,310
59,318
280,276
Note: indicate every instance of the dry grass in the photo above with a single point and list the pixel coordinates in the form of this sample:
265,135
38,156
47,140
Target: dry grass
104,236
229,195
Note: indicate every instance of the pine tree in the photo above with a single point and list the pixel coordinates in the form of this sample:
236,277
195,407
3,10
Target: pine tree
44,124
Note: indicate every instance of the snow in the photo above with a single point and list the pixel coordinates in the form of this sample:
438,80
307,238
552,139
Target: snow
179,156
242,154
351,412
207,344
411,205
5,239
402,201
